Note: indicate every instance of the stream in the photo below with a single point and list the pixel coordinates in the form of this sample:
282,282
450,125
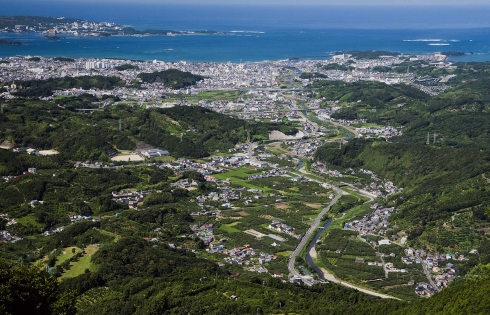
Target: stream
308,258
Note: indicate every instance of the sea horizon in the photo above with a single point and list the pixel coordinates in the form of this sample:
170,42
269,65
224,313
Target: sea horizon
260,32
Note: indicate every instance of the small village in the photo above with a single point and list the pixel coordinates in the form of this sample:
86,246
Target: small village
440,268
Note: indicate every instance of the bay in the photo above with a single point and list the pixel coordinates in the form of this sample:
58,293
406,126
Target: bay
258,33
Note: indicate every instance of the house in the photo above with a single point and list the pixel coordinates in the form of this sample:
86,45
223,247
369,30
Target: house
384,242
359,260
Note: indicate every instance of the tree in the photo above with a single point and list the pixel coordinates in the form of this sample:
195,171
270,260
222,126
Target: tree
28,289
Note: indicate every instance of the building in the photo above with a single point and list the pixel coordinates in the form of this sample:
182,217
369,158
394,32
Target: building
152,153
95,65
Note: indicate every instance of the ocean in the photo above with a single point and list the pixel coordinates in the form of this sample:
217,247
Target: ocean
259,32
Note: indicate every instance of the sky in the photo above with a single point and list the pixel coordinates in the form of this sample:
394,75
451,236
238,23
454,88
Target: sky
290,2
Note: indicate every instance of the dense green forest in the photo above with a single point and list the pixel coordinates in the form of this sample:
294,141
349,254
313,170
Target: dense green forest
37,88
171,78
176,282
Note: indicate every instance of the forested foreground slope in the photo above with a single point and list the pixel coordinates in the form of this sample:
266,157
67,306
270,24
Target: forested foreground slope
136,278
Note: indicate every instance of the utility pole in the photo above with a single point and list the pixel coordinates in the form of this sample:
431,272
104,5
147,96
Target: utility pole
434,138
428,140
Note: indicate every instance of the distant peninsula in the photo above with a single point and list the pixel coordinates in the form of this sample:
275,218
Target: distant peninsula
8,42
51,27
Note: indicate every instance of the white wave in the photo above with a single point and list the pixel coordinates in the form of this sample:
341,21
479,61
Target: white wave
439,44
157,51
454,40
250,32
424,40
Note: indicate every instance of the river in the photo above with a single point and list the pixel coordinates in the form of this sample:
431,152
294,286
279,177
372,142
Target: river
308,258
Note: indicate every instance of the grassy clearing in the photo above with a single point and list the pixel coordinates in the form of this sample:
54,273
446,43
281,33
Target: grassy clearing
228,228
219,95
239,177
67,254
29,220
79,267
284,254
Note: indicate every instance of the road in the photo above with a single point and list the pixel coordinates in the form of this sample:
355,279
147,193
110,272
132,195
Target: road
303,243
427,274
371,196
308,234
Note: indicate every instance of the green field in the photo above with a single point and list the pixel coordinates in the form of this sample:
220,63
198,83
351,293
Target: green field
228,228
219,95
239,177
29,220
66,254
79,267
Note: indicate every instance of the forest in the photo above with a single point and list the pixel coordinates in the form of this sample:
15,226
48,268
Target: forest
171,78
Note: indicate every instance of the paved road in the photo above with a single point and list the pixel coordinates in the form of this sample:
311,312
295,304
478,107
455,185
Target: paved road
371,196
308,234
328,276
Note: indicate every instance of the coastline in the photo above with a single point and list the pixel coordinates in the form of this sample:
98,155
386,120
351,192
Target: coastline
246,47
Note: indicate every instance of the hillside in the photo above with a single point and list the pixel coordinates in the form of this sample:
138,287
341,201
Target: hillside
60,126
446,194
171,78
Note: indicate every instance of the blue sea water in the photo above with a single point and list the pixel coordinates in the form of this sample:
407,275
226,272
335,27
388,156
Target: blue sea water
259,32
